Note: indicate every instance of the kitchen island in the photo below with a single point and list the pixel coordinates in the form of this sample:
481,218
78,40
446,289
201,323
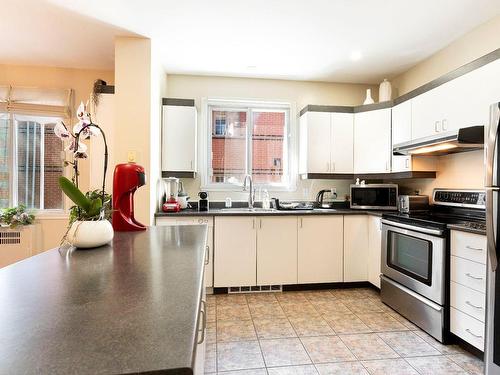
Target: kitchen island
133,306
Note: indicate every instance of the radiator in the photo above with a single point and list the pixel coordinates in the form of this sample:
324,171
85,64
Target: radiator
16,244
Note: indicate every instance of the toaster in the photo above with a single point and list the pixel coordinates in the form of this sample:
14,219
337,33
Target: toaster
412,203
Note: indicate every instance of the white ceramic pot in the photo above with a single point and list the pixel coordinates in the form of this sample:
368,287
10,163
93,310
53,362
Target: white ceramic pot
385,91
369,99
89,234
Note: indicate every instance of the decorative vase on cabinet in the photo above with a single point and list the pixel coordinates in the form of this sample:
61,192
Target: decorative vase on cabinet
384,91
369,99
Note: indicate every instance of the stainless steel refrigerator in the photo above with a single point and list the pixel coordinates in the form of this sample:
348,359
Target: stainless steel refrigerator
492,153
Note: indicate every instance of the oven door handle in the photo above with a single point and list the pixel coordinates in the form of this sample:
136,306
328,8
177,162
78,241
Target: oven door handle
436,232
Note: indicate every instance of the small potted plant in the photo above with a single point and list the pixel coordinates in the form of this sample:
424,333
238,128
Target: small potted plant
15,216
89,224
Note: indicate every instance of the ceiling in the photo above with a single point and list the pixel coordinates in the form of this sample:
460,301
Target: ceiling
322,40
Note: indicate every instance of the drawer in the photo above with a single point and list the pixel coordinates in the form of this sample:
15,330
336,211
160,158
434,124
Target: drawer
468,301
185,220
467,328
468,273
469,246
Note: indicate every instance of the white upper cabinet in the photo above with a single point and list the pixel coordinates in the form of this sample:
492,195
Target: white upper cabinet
326,143
179,137
401,132
372,141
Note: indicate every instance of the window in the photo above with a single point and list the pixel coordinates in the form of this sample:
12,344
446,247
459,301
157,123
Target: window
30,155
248,138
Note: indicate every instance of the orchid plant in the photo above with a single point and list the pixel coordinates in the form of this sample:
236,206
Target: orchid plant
90,206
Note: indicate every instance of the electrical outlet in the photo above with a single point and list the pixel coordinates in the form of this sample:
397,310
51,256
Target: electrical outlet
131,156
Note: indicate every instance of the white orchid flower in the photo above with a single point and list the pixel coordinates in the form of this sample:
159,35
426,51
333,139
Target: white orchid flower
81,148
61,131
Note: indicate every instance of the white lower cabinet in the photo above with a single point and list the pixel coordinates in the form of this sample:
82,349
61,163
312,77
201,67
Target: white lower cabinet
374,250
320,259
235,261
355,248
276,250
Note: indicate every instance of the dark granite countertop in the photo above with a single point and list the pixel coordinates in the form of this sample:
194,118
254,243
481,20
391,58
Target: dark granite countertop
127,308
259,212
466,229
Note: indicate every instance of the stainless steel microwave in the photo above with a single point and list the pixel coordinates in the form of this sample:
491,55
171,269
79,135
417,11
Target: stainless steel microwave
374,197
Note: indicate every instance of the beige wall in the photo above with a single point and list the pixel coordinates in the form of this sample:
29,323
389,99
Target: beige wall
52,229
465,170
478,42
298,93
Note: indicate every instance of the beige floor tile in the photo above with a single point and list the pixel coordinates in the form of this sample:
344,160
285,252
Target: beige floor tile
273,328
435,365
210,358
231,299
239,355
293,370
235,330
211,313
408,344
233,312
347,293
330,306
266,310
396,366
284,352
261,297
324,349
363,305
369,292
403,321
469,363
368,346
318,295
291,297
443,349
254,371
341,368
381,322
346,323
211,333
296,310
311,326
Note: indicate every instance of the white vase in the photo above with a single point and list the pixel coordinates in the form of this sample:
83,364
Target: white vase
89,234
384,91
369,99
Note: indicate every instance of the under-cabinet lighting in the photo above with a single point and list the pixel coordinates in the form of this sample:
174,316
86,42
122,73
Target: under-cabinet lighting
429,149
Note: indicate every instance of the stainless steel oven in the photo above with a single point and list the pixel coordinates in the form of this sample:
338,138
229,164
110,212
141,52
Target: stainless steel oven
413,274
374,196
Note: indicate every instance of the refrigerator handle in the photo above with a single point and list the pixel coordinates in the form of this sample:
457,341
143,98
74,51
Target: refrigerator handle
491,217
490,143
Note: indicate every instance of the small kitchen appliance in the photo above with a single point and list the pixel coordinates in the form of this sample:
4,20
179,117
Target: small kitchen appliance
127,178
374,196
203,202
416,260
171,195
325,198
412,203
182,197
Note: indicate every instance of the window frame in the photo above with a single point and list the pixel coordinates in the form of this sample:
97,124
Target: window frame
13,145
248,106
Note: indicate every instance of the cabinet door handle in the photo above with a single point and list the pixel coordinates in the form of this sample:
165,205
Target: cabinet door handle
444,124
300,221
473,277
207,255
407,163
436,126
191,163
333,166
204,321
328,166
472,305
260,223
474,248
253,223
473,334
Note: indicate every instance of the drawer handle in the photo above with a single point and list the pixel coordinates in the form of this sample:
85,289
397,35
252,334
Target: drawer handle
474,248
473,334
473,277
200,221
204,322
472,305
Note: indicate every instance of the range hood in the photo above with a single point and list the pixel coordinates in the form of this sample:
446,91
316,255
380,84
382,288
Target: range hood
461,140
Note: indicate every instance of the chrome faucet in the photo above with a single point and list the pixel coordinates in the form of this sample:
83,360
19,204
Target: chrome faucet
251,192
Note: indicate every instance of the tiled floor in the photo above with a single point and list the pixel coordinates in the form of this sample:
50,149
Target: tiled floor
343,331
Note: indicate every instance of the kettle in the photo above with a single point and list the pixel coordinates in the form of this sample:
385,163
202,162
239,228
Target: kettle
325,198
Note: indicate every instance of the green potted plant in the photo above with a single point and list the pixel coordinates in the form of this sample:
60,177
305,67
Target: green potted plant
89,224
15,216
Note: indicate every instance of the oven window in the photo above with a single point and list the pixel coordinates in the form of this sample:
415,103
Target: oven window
410,255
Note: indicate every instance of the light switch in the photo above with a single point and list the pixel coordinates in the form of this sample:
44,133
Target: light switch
131,156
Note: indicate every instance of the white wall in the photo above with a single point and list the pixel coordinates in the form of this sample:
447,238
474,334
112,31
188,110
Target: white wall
297,93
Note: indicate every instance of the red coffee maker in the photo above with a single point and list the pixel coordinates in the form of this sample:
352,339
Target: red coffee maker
127,179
